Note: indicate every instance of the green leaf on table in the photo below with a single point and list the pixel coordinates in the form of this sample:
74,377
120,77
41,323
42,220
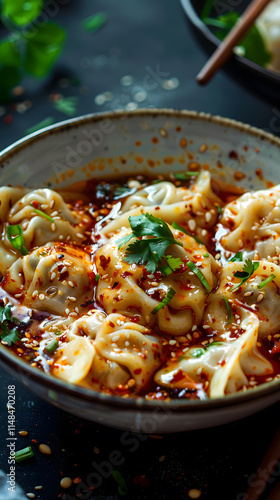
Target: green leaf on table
43,46
95,22
9,54
22,12
67,106
44,123
253,43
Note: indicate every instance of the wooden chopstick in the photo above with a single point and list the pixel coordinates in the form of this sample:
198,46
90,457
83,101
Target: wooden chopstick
224,50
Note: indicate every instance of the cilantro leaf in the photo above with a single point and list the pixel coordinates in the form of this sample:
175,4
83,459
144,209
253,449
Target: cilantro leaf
22,12
147,250
238,257
43,47
67,106
9,336
173,263
248,269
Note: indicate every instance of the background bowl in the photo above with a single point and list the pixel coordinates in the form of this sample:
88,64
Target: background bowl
247,73
111,144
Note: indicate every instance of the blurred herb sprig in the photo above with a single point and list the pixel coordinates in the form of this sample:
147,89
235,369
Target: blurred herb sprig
31,46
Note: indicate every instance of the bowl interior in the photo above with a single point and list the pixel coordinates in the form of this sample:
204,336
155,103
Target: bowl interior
143,141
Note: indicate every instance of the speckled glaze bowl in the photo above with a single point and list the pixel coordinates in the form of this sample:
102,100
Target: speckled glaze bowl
149,141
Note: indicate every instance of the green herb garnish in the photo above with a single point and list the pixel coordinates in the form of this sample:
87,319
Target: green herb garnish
248,269
199,274
15,236
9,336
182,176
155,236
205,255
238,257
219,209
42,214
44,123
262,284
173,263
52,346
197,352
67,106
24,454
180,228
95,22
229,311
97,276
165,301
252,44
123,191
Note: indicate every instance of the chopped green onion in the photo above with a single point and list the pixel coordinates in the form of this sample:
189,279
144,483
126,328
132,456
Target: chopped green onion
205,255
57,333
52,346
182,176
97,277
229,311
180,228
166,270
199,274
24,454
219,209
42,214
238,257
265,282
15,236
165,301
196,352
95,22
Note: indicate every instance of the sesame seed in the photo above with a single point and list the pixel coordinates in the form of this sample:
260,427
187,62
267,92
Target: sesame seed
6,301
53,276
68,237
150,276
173,354
63,270
155,283
67,311
38,488
260,297
73,314
54,213
204,232
205,327
104,277
189,336
147,318
269,337
127,335
161,458
172,342
73,299
79,235
217,256
192,224
248,294
66,482
44,206
194,328
126,343
115,338
70,283
208,216
30,495
52,203
77,309
45,449
259,344
194,493
240,243
53,227
23,433
61,237
18,295
41,296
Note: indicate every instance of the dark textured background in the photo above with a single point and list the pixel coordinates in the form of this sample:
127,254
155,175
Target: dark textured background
220,461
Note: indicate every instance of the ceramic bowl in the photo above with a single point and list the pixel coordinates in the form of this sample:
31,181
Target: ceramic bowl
247,73
149,141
